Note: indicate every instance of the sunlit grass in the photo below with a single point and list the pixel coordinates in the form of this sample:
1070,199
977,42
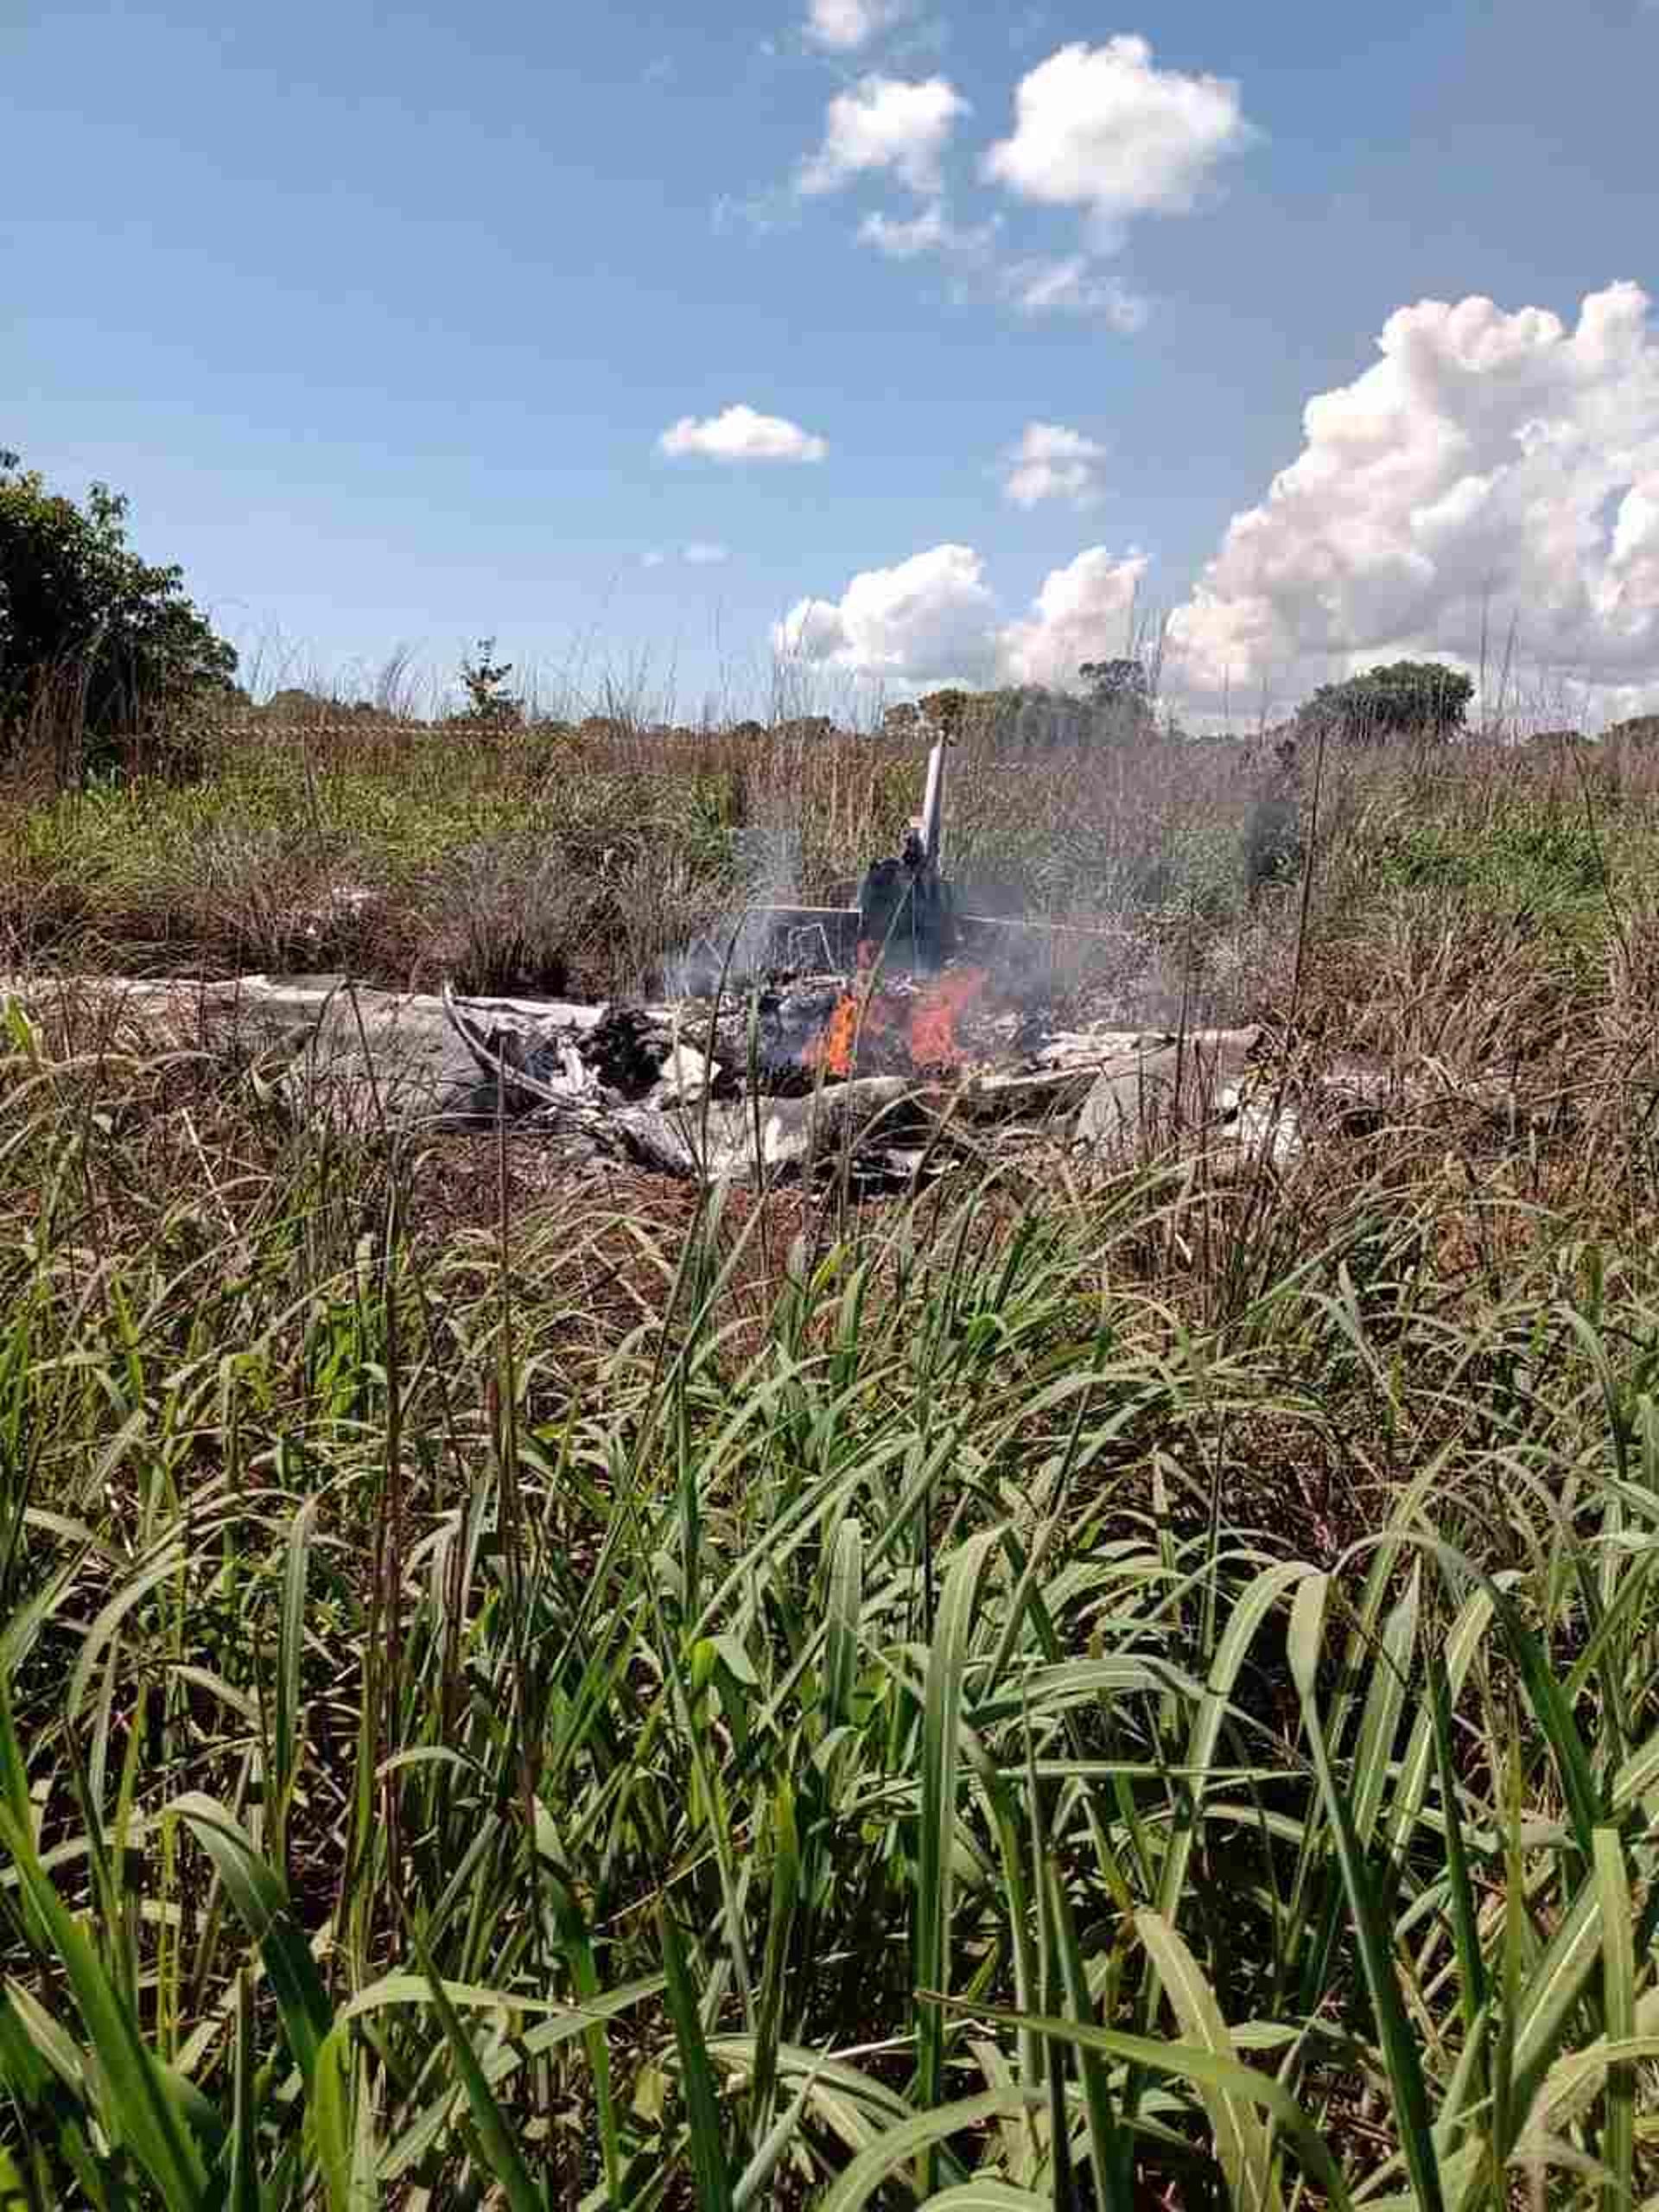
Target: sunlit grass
592,1694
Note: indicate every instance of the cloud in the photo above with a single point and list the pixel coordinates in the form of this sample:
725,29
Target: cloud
1032,285
1051,462
843,25
701,553
739,434
1488,465
1101,127
929,618
1072,286
885,123
931,232
762,213
1084,612
933,618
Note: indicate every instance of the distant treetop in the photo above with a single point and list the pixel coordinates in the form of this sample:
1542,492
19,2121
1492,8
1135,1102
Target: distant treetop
1405,698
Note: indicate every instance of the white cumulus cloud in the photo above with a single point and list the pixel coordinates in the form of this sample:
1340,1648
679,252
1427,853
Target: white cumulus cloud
738,432
1488,466
885,123
1051,462
927,619
933,618
1101,127
1084,612
843,25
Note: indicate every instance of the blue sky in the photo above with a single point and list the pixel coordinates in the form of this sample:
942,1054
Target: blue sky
379,315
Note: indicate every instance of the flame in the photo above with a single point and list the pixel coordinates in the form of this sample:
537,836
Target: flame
832,1049
859,1016
933,1019
863,1013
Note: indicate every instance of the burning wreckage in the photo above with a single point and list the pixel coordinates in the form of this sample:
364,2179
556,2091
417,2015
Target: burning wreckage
892,1037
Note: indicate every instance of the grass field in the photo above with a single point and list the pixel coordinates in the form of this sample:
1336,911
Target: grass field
536,1691
555,858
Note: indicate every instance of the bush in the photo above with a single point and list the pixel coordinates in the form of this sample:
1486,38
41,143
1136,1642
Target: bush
1120,692
94,643
1406,698
490,705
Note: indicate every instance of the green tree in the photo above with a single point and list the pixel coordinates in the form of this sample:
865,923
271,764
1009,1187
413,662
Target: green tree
88,627
944,713
1120,697
490,705
1406,698
1117,682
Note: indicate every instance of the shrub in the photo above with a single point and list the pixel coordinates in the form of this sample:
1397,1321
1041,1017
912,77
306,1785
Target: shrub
1406,698
93,640
490,705
1120,692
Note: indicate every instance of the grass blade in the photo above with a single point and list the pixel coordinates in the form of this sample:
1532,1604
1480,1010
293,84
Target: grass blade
1619,2016
1466,1929
1543,2003
1204,2068
260,1896
708,2164
923,2132
936,1841
1108,2144
501,2153
986,2197
1399,2044
140,2108
1240,2139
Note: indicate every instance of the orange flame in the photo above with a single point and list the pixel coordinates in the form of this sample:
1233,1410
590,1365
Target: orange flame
858,1018
863,1013
933,1019
832,1049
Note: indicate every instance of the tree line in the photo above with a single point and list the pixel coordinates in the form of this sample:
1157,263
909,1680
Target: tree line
93,637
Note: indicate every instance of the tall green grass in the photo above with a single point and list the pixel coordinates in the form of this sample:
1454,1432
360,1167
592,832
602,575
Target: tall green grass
549,856
615,1700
